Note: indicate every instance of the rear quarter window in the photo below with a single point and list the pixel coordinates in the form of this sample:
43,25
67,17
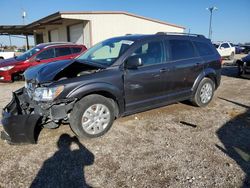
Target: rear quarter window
76,50
181,49
203,48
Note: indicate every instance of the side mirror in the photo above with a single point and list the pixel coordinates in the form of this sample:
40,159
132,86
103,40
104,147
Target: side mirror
133,62
222,48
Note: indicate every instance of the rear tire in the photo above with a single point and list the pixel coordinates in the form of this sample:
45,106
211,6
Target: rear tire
204,93
92,116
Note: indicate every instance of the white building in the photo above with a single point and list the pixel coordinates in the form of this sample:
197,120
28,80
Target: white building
89,28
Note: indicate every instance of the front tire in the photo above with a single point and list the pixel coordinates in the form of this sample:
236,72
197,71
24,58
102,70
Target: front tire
204,93
92,116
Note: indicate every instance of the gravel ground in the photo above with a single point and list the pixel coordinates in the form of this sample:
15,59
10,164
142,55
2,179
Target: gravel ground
149,149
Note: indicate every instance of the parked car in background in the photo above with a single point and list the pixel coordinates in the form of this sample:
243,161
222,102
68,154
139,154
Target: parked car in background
12,68
6,55
114,78
225,49
21,50
243,65
238,49
246,49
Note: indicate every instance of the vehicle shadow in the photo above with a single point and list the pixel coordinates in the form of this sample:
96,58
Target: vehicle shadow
235,136
66,167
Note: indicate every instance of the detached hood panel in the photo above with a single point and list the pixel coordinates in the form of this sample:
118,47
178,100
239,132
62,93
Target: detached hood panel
246,59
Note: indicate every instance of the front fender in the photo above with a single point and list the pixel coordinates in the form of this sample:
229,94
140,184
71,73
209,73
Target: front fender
100,87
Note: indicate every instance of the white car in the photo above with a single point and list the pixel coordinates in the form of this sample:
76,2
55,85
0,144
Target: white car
225,49
6,55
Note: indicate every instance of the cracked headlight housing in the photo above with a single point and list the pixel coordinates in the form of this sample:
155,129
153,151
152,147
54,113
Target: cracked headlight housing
6,68
47,93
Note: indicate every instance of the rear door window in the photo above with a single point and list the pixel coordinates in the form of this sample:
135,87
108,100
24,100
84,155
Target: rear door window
62,51
203,48
181,49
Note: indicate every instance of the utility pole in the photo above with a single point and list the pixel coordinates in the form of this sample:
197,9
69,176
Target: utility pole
211,9
23,16
27,37
10,41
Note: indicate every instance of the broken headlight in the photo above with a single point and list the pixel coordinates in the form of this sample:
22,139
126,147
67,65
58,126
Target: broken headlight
47,93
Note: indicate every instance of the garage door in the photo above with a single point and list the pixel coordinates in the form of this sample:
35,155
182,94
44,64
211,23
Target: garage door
76,33
54,36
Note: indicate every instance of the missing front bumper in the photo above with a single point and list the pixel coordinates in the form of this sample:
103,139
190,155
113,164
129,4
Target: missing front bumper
18,126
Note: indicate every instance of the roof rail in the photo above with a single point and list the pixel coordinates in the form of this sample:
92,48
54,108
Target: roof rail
51,43
176,33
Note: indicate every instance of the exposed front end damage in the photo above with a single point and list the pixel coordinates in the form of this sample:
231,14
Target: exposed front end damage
23,118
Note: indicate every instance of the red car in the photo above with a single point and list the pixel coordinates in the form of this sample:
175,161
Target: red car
11,69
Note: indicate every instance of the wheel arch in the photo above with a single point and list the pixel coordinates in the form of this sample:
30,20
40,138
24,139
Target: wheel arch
207,73
103,89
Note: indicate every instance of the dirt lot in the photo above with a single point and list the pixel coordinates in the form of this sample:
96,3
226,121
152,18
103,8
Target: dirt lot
150,149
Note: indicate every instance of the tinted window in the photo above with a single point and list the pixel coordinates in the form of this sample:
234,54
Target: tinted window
46,54
150,53
225,45
203,48
62,51
76,50
181,49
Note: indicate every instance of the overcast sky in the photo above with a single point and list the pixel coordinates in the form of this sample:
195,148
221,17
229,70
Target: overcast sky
231,22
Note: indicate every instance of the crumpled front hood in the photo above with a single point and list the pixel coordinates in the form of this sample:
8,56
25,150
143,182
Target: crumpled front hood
9,62
46,72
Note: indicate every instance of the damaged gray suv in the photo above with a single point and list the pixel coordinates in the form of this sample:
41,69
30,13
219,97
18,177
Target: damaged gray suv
117,77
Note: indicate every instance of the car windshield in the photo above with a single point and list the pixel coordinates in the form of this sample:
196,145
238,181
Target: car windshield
106,52
28,54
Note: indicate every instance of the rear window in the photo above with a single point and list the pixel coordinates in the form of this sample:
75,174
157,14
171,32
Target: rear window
204,49
76,50
62,51
225,45
181,49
